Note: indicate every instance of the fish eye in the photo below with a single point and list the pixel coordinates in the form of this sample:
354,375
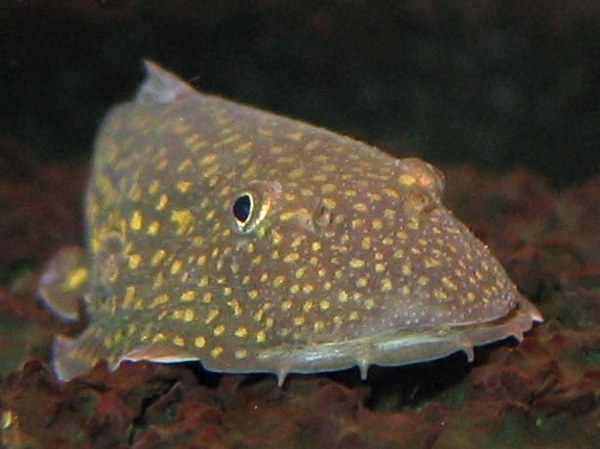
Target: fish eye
242,209
249,206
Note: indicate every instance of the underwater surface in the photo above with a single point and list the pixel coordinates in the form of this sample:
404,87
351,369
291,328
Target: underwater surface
502,97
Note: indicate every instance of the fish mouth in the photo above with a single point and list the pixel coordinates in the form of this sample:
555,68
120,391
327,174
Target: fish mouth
392,348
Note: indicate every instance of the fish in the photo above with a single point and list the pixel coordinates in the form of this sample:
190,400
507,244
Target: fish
254,243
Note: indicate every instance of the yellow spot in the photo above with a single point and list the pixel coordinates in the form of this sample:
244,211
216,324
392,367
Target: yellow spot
176,266
261,336
211,315
406,269
379,267
153,228
75,278
357,263
386,285
201,260
328,188
135,222
295,136
291,257
183,218
307,288
188,295
407,180
253,294
307,306
183,186
216,351
189,315
241,332
162,163
422,281
208,159
440,294
129,295
470,296
184,165
202,282
413,224
361,282
365,243
343,296
369,304
353,316
324,304
318,325
294,289
159,279
217,331
162,202
200,342
207,297
243,147
296,173
158,338
299,320
227,140
286,305
329,203
377,224
278,281
159,300
235,306
178,341
134,261
391,192
357,223
241,353
449,284
132,329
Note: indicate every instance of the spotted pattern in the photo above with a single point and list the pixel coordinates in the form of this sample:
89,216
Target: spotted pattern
347,256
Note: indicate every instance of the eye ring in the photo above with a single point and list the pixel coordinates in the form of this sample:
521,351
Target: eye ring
248,207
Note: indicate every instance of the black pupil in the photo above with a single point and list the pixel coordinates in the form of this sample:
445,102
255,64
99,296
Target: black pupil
241,208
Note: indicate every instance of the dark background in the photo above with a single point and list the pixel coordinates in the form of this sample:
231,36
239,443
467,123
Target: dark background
498,84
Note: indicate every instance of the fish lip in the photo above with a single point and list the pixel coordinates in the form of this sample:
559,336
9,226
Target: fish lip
408,347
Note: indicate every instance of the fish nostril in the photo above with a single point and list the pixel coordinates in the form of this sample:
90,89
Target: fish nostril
321,216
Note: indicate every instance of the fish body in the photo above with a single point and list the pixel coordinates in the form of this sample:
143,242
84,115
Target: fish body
255,243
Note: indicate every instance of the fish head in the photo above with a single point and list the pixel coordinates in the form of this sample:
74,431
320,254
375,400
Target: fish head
337,245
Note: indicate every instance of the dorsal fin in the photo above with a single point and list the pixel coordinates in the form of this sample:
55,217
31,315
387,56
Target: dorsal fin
161,86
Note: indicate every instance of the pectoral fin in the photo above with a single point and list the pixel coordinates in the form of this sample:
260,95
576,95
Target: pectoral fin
64,281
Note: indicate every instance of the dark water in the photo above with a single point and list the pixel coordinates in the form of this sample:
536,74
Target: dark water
499,84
